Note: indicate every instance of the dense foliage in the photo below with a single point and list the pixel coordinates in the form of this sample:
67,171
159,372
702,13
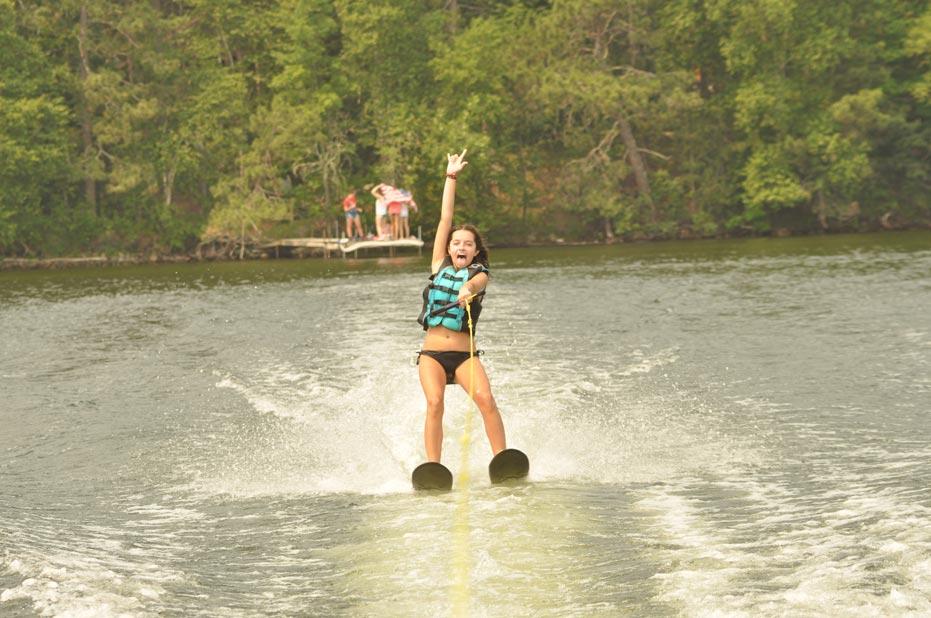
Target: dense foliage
158,124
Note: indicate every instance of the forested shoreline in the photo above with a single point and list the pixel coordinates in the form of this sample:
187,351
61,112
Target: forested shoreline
163,127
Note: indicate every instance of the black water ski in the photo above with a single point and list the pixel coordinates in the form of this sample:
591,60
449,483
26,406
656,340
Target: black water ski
432,476
508,465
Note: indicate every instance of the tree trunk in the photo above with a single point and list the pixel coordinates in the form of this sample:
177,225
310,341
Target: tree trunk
636,162
168,184
452,22
822,211
87,130
633,43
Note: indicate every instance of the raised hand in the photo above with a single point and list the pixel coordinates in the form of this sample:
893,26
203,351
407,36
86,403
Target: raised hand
455,162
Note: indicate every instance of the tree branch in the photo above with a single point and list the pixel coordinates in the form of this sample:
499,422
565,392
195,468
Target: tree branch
654,153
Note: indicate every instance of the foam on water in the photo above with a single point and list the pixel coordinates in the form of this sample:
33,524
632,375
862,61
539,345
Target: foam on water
365,437
852,551
315,449
89,580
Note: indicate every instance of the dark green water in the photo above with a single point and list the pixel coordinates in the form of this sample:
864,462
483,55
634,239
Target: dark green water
733,427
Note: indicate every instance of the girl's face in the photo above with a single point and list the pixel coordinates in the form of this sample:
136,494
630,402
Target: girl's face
462,249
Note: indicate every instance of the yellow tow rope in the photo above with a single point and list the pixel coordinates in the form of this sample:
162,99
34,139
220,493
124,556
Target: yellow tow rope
462,555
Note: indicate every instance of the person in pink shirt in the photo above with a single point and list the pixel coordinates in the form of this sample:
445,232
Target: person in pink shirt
405,216
394,215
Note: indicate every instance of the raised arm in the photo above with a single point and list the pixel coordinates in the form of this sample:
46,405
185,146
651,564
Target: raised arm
454,164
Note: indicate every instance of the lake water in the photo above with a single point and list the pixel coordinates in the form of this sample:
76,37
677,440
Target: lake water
714,428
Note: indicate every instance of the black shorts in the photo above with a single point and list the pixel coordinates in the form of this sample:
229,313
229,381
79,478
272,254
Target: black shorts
450,361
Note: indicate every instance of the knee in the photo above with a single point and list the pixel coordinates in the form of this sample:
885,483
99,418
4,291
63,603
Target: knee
485,402
435,407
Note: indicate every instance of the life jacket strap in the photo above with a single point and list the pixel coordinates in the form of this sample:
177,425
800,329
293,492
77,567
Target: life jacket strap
444,289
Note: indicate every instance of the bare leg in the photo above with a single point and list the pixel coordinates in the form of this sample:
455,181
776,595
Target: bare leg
494,426
433,381
348,227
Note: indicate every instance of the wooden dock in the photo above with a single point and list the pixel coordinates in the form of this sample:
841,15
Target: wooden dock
391,245
343,246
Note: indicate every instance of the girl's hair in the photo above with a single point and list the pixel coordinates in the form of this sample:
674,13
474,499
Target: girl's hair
481,255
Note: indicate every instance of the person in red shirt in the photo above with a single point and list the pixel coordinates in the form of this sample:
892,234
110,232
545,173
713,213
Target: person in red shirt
353,217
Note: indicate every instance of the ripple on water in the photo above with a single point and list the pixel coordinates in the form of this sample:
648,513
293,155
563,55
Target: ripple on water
709,434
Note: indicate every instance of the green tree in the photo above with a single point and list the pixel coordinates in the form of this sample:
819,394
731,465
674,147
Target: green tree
34,148
298,146
799,68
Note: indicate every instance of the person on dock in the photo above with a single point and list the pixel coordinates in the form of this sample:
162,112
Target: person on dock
459,272
394,215
353,217
406,207
381,211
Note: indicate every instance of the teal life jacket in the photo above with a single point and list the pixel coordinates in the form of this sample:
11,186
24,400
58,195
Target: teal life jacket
442,290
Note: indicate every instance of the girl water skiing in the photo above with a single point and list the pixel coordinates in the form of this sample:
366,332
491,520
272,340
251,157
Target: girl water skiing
459,272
